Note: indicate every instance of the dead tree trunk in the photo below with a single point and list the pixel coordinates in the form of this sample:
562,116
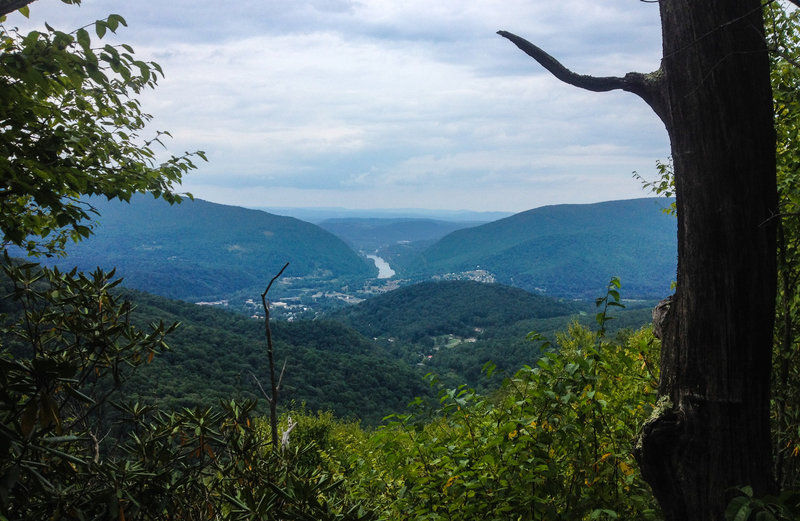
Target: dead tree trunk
275,383
9,6
713,94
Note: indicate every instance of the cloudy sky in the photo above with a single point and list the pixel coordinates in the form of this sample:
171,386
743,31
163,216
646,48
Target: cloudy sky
393,103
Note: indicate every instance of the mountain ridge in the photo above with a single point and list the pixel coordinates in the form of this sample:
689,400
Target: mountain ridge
565,250
198,249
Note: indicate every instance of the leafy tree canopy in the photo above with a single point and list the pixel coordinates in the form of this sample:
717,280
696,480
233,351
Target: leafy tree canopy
70,125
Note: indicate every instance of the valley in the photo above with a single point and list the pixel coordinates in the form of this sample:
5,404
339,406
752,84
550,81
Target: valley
222,255
393,298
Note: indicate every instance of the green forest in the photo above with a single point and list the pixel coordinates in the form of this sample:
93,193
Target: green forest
118,404
559,251
200,250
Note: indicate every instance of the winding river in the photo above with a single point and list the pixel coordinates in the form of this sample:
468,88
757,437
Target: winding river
384,270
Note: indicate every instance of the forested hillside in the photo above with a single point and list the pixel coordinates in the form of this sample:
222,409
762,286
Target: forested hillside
214,354
693,419
429,309
199,250
364,361
453,328
564,250
372,234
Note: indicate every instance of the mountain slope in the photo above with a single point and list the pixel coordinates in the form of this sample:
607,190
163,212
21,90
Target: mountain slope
435,308
372,234
329,366
452,328
199,249
566,250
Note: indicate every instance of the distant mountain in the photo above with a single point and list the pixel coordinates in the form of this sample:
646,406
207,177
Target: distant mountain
319,214
566,250
198,249
372,234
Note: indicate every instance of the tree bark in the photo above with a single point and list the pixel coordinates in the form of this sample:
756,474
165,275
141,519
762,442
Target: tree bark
9,6
713,94
275,383
716,351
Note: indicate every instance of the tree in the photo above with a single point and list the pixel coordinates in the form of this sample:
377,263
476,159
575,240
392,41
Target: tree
783,35
712,92
70,127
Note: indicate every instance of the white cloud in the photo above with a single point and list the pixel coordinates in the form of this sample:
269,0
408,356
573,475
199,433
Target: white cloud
403,104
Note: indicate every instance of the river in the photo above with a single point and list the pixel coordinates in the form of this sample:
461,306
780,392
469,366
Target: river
384,270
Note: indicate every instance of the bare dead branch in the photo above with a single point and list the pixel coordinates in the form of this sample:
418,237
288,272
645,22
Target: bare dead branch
96,444
264,295
592,83
275,384
290,425
258,382
646,86
280,378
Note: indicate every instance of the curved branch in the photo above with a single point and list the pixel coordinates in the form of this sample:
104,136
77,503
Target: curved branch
9,6
646,86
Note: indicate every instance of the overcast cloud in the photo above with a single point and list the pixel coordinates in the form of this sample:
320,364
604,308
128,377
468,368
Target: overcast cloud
393,104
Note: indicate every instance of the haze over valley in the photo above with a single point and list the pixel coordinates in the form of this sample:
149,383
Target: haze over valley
204,252
395,297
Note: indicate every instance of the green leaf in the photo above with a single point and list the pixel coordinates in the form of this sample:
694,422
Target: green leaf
83,38
736,506
117,20
100,28
743,514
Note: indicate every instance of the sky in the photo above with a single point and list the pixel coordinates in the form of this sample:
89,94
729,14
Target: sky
369,104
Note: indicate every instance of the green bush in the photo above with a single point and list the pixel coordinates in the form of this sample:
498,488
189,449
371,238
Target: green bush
553,443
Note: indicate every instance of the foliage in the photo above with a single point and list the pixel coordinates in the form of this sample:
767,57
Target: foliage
553,443
563,250
664,186
429,309
73,348
205,251
70,126
73,342
783,32
784,507
329,365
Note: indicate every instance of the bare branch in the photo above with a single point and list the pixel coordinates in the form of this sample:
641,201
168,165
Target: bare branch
264,295
290,425
788,58
96,443
646,86
275,384
280,378
258,382
592,83
278,387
